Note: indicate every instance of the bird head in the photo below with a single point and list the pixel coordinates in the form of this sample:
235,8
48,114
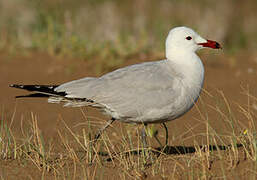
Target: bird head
184,39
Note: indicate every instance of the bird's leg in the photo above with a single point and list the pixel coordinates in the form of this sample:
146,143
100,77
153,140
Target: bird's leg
156,138
143,136
100,131
167,135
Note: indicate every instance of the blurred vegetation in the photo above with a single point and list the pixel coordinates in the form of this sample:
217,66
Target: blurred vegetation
116,29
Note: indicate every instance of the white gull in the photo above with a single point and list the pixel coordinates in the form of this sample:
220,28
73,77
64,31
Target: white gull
150,92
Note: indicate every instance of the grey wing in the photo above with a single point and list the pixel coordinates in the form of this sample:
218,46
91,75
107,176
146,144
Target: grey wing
135,92
81,88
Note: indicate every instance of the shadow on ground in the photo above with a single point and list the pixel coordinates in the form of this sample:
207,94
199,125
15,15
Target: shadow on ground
171,150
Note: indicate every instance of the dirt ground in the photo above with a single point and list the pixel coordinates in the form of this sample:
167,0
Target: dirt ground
230,74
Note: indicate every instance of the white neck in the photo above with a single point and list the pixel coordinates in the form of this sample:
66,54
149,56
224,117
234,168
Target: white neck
190,66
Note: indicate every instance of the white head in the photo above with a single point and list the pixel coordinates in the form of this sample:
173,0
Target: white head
184,39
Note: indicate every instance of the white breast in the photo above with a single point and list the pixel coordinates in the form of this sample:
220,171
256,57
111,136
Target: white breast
191,70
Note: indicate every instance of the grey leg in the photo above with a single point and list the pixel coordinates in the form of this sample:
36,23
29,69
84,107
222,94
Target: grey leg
143,136
100,131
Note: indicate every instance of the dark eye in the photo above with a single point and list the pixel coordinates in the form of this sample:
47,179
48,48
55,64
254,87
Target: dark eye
188,37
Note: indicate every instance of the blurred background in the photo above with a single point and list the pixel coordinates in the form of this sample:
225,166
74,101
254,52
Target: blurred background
55,41
85,28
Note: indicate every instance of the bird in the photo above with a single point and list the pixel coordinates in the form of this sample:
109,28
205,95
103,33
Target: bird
145,93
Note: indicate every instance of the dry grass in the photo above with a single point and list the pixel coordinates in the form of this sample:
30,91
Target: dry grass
228,153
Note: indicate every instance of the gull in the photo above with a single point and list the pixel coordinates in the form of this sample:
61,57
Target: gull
145,93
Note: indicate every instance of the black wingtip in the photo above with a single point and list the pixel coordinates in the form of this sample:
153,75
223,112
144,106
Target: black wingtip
41,89
33,95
